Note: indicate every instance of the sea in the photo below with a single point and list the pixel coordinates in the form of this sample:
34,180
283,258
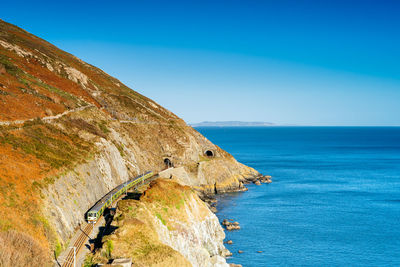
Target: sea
334,199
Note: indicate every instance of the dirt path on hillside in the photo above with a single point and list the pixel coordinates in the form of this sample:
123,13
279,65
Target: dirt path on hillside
48,118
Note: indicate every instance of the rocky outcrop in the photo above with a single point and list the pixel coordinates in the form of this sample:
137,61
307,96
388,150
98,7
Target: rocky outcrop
199,239
230,226
177,217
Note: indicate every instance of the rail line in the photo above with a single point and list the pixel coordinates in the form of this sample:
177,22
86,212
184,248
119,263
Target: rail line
69,261
108,201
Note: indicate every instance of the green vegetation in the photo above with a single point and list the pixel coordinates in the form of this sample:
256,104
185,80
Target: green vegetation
58,248
86,126
103,127
89,261
180,204
48,143
109,248
60,92
29,90
4,93
161,219
120,148
10,67
5,224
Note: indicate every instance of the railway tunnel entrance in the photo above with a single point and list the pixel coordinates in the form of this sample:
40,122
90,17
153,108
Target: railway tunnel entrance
168,163
209,153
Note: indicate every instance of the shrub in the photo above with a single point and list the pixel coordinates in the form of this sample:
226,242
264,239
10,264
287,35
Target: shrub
109,248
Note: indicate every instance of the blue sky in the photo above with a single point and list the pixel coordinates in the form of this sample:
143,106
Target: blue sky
288,62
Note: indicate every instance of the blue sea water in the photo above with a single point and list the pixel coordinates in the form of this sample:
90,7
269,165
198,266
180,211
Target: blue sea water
334,200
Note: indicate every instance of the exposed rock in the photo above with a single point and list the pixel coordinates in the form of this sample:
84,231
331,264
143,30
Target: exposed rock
266,179
122,262
229,242
187,226
76,76
240,251
235,265
259,251
232,227
48,112
213,209
199,238
18,50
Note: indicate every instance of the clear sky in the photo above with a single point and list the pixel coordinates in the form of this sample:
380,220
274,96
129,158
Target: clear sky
319,62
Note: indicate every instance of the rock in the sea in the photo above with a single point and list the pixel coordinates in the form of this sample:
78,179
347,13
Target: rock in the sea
229,242
260,251
228,254
257,182
232,227
266,179
235,265
240,251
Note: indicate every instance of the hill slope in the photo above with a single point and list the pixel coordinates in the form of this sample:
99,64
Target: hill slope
69,133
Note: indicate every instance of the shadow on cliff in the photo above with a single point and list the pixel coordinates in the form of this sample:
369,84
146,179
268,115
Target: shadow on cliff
132,195
108,229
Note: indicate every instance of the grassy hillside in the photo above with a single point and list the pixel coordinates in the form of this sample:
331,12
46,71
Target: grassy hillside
60,121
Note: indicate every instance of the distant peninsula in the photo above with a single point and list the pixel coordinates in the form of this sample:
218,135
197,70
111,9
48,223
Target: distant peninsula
232,124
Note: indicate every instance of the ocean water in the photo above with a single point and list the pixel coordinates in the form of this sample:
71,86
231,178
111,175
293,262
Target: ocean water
334,200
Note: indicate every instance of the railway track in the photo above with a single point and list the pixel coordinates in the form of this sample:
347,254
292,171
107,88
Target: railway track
86,231
79,242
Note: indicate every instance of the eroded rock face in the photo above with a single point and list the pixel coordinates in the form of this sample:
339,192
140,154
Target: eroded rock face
72,194
199,239
172,215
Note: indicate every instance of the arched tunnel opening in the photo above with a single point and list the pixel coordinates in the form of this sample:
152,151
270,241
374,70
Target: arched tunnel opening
168,163
209,153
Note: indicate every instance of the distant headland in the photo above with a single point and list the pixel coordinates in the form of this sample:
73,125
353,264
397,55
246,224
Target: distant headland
232,124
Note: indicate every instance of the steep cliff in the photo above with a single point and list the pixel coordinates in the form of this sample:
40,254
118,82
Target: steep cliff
168,218
69,133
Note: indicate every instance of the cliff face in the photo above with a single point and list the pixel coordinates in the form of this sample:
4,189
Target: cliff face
69,133
172,216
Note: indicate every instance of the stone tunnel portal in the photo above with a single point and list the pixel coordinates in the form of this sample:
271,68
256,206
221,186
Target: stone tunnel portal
209,153
168,163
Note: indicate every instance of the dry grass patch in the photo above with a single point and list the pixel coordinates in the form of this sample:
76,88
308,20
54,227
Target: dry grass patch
137,240
19,249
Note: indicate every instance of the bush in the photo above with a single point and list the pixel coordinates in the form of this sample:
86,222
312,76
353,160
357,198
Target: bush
109,248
